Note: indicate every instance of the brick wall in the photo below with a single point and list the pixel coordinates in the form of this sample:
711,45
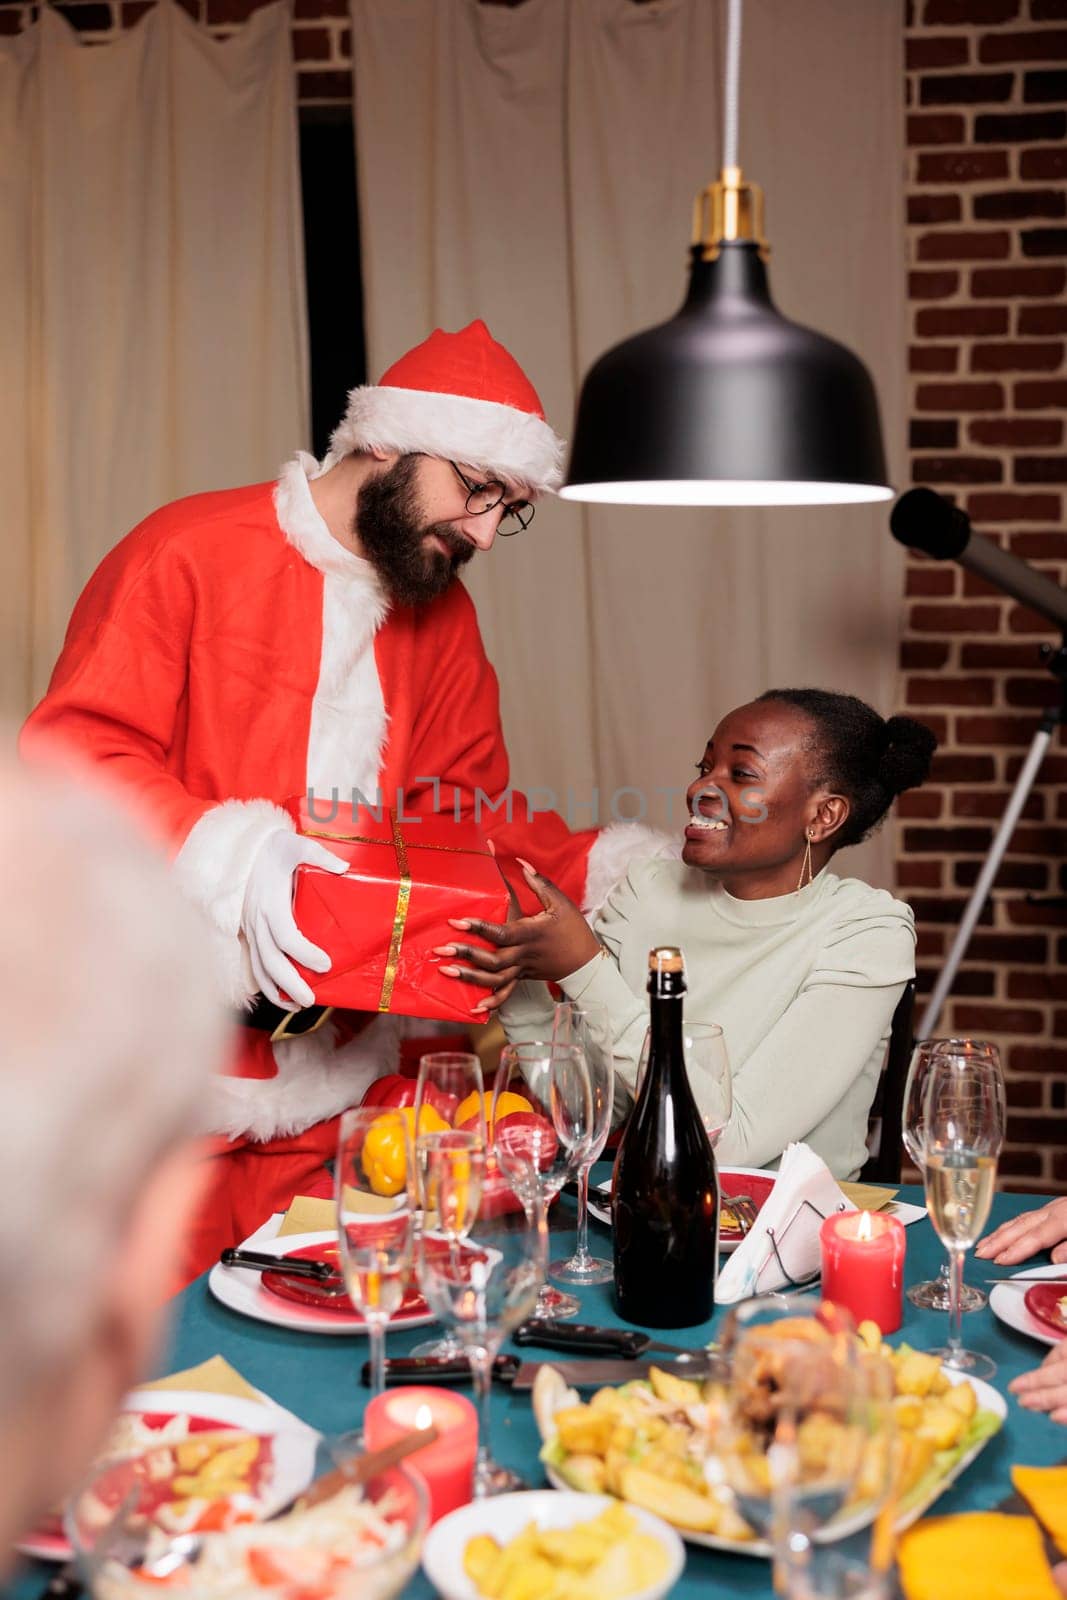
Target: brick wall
986,95
987,231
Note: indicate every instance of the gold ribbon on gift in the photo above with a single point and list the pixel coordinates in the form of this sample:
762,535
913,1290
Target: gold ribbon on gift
403,889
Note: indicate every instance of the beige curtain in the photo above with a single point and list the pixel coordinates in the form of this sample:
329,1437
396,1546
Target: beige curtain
536,166
151,270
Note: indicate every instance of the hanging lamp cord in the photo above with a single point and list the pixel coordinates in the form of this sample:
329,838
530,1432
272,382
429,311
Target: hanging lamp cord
733,75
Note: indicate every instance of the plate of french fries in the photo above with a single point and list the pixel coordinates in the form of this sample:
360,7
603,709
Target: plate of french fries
658,1444
541,1545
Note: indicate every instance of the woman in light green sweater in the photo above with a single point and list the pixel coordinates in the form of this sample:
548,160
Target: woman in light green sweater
802,969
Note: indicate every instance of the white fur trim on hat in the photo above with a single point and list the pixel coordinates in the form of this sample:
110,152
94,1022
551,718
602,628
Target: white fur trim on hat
615,850
516,445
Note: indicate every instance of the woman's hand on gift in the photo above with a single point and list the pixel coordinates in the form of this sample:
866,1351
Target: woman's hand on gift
551,944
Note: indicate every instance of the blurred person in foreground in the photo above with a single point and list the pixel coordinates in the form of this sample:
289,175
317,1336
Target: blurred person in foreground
99,1103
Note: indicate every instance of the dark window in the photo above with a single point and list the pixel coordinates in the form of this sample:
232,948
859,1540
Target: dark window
331,250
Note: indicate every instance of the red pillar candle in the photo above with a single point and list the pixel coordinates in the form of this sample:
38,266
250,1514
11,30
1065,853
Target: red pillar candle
863,1266
447,1465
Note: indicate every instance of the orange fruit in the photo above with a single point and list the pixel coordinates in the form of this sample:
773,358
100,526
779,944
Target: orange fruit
508,1102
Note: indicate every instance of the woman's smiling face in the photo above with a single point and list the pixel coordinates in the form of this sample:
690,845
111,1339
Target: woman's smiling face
754,797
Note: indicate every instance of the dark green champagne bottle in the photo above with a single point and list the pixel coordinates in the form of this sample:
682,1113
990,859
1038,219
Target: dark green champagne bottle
665,1193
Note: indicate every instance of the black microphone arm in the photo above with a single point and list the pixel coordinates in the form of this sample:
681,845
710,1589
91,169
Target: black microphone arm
925,520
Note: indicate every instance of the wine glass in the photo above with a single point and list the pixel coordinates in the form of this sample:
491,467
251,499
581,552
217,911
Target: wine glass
830,1575
543,1123
707,1066
588,1027
796,1425
933,1293
450,1084
483,1288
963,1130
375,1191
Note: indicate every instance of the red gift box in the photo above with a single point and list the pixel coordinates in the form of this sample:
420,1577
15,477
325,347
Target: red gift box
380,922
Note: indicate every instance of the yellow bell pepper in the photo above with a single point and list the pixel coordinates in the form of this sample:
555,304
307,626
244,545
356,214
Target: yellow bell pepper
384,1150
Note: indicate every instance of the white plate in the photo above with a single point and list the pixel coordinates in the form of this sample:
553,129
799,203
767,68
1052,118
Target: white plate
293,1450
241,1290
988,1400
1007,1302
506,1515
726,1246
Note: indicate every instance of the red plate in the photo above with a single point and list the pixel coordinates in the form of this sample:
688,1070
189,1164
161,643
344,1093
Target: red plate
742,1183
305,1292
1042,1300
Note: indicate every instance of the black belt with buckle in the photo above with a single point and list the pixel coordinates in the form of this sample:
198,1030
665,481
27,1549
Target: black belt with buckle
266,1017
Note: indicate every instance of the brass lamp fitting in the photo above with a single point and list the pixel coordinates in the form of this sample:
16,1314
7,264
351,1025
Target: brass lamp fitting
726,210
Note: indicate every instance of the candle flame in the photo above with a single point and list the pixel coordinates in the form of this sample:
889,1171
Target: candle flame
424,1417
865,1228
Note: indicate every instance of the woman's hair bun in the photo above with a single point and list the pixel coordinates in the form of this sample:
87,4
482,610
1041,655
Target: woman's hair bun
909,749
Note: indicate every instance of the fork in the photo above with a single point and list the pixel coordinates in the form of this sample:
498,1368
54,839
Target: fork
744,1209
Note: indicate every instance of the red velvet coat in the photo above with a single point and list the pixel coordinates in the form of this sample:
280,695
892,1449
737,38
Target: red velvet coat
229,653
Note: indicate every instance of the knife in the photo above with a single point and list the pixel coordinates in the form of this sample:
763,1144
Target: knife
1025,1278
521,1375
579,1337
288,1266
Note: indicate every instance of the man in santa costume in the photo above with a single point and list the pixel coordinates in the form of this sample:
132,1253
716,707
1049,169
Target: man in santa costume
309,635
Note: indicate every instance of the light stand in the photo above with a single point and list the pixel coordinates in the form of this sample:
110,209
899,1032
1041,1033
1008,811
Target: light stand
925,521
1055,717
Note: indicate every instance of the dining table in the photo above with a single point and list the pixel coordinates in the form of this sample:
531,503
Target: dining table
319,1378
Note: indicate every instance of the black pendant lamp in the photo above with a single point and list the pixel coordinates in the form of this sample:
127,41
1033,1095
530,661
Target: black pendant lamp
728,403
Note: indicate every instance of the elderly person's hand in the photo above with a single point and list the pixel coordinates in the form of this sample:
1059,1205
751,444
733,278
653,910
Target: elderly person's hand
555,942
1025,1236
1045,1388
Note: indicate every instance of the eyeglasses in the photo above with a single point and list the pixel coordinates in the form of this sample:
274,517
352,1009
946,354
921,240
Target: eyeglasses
483,497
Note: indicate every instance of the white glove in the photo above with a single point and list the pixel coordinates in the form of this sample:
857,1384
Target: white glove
267,916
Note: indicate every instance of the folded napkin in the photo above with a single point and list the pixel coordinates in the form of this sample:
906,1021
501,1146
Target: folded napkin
1045,1491
981,1555
867,1196
805,1192
214,1376
307,1215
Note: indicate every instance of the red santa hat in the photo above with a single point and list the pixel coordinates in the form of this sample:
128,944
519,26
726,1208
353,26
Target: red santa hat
461,396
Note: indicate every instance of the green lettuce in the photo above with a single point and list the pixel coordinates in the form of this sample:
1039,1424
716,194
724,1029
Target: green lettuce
983,1425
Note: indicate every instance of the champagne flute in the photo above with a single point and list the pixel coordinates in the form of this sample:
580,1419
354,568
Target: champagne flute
542,1124
484,1287
588,1027
375,1192
450,1082
933,1293
963,1130
708,1067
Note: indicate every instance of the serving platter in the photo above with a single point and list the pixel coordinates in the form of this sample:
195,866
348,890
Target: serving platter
844,1526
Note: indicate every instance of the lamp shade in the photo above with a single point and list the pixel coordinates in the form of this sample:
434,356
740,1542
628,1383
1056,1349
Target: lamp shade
728,403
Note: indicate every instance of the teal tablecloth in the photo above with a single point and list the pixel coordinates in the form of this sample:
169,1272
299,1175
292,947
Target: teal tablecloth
318,1379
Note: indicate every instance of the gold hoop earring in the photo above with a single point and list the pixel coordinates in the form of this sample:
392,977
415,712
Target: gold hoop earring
805,866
